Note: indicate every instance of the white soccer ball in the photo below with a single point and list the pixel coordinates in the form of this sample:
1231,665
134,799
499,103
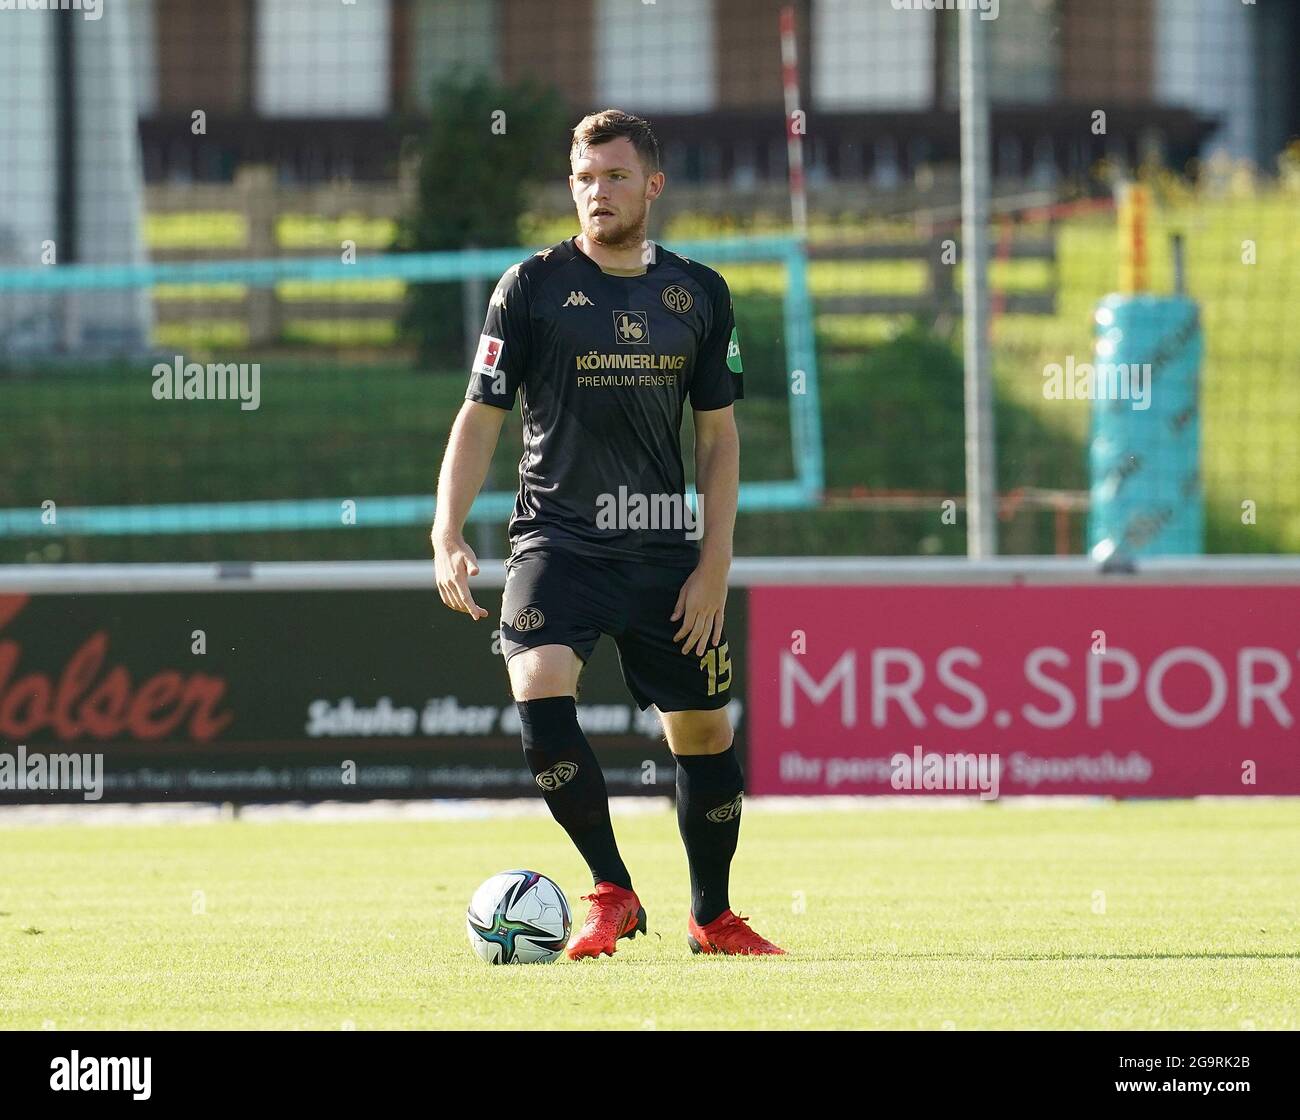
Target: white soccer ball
519,917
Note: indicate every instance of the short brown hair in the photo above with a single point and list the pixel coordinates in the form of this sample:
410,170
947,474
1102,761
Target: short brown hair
609,124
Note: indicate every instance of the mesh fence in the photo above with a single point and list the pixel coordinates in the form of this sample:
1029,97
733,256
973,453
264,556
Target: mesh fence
206,173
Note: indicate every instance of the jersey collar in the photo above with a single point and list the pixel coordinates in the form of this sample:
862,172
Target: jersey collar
658,256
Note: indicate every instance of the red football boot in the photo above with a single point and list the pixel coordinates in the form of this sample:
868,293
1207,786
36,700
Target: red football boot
728,934
614,913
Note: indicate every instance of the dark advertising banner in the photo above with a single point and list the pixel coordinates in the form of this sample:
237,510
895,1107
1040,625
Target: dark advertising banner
234,695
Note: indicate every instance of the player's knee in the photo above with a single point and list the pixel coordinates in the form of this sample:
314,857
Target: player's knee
715,740
536,674
699,732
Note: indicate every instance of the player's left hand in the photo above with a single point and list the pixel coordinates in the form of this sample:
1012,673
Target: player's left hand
701,604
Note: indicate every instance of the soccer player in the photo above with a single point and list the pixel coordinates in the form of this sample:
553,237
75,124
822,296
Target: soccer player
605,336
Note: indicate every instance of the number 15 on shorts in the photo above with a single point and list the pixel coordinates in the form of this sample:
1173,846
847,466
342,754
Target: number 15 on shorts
717,664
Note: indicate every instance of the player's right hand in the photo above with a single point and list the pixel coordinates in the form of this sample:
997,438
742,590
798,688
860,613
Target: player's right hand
454,562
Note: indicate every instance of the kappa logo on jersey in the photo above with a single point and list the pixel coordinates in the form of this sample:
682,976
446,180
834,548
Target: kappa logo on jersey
676,298
728,812
578,299
631,328
489,353
555,776
530,618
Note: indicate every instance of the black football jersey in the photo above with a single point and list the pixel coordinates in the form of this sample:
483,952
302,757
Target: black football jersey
604,365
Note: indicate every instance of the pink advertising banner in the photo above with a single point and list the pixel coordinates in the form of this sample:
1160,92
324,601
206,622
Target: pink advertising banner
1133,691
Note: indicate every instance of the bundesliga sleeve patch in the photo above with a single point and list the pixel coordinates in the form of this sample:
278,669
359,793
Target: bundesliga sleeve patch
489,353
733,354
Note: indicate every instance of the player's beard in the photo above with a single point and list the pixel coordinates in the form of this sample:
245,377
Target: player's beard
628,234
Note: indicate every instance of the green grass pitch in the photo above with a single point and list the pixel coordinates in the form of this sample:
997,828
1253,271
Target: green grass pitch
1164,915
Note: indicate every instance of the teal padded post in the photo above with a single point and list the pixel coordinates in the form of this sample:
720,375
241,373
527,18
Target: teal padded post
1144,451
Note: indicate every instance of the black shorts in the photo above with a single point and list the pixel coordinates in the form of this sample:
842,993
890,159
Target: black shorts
555,596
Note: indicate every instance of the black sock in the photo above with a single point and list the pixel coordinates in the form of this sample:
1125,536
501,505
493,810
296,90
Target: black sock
709,795
565,769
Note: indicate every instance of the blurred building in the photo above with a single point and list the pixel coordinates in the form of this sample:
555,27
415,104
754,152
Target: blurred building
326,89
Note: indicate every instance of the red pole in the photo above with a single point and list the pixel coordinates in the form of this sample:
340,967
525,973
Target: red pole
794,121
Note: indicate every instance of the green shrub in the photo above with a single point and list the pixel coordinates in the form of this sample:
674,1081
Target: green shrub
477,174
